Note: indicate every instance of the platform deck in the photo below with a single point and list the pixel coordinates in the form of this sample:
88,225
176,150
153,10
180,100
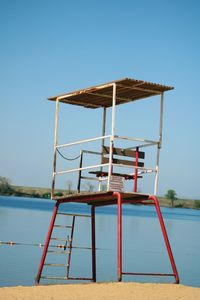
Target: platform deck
102,198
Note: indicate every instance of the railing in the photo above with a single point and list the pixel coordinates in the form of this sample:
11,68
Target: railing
110,164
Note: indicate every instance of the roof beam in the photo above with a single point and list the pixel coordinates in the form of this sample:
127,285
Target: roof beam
86,104
139,89
108,96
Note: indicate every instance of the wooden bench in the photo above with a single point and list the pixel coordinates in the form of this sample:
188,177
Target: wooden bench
135,155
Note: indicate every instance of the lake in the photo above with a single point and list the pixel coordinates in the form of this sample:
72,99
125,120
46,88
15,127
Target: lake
26,220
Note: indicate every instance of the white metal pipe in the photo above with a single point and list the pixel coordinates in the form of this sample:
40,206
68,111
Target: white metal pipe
55,144
160,144
112,134
113,112
157,171
103,127
161,118
134,167
103,141
104,165
80,169
83,141
142,146
135,139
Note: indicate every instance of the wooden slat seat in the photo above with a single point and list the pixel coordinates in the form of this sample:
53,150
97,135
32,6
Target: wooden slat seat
105,160
104,174
127,153
123,152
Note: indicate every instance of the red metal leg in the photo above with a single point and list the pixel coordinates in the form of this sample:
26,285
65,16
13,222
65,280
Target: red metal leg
119,235
164,232
46,245
93,243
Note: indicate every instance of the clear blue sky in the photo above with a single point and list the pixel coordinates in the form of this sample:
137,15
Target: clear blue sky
49,47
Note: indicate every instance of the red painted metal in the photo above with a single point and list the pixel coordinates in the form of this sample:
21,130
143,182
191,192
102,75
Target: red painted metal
119,235
135,177
93,243
46,245
102,200
79,278
148,274
164,232
70,247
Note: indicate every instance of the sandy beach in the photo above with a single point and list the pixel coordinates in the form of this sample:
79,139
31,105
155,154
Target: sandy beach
105,291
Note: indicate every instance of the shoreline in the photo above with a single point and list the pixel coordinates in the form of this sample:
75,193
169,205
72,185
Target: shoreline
44,193
105,291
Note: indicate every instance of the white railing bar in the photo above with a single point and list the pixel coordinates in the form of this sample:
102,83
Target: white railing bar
135,139
83,141
89,178
134,167
103,165
145,171
141,172
143,145
80,169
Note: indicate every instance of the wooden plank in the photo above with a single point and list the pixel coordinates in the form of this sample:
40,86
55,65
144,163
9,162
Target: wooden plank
104,174
123,152
105,160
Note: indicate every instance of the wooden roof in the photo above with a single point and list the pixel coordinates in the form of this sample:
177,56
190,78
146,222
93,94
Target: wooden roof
127,90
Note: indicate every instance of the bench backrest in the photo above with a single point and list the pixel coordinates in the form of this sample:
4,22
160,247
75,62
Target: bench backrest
136,154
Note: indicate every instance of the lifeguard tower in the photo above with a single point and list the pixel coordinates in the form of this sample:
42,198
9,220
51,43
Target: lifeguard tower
119,159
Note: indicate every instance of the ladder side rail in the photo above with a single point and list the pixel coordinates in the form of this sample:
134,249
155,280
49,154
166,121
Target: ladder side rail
37,279
70,246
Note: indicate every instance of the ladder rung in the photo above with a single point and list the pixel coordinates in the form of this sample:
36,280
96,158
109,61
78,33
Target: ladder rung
54,277
74,215
64,278
58,239
58,252
56,265
62,226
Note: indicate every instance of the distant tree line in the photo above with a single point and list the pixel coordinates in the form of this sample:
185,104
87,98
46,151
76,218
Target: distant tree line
7,189
5,186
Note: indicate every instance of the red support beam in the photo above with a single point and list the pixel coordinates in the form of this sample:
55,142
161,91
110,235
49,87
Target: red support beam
119,235
109,199
93,243
46,245
165,236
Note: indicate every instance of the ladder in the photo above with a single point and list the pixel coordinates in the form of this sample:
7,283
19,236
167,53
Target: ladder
60,246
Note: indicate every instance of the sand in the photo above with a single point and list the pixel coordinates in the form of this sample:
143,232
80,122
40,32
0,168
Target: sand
103,291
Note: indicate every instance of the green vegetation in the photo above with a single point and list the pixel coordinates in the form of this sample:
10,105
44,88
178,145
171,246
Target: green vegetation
171,194
5,186
197,204
170,199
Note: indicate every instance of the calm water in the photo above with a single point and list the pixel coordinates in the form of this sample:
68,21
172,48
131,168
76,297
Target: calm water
26,220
